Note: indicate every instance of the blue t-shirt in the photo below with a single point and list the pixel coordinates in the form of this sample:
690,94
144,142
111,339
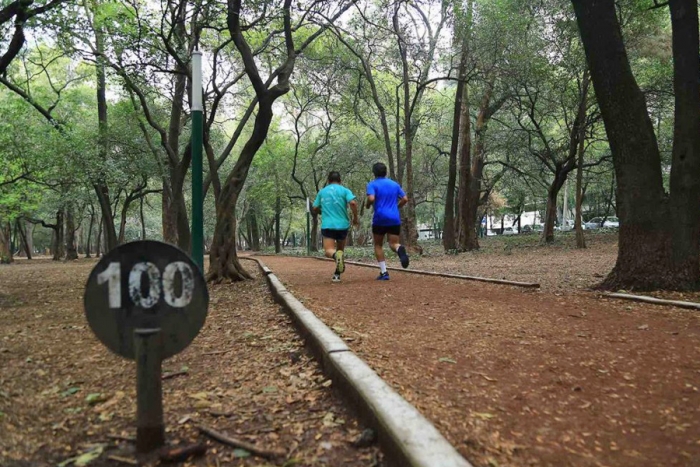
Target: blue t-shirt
387,194
333,201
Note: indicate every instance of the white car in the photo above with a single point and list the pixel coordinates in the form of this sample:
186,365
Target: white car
611,223
597,222
510,231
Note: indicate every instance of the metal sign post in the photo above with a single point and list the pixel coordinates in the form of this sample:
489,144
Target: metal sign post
197,246
146,301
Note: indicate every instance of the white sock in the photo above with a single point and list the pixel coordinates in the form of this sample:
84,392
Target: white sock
382,266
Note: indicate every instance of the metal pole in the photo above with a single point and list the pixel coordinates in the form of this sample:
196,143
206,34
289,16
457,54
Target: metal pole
150,429
197,247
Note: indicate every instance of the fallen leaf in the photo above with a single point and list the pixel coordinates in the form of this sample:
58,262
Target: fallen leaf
70,391
240,453
446,360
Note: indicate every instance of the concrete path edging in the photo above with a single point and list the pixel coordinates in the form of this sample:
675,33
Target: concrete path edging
407,438
532,285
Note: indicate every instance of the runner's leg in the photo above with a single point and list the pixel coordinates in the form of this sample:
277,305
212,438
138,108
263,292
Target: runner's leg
329,247
399,249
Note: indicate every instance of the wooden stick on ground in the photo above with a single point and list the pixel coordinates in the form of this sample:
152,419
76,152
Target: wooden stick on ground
123,460
130,439
183,453
656,301
172,375
225,439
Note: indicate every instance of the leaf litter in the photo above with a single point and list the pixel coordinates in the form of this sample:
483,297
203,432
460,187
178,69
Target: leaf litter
64,398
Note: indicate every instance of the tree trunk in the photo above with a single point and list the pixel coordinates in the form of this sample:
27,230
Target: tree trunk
100,187
169,214
449,237
278,231
254,231
71,251
23,239
578,222
58,251
550,216
5,243
98,246
88,246
141,217
658,240
465,149
223,258
224,263
314,232
685,183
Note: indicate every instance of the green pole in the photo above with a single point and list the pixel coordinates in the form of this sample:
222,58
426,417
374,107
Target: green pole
197,246
308,228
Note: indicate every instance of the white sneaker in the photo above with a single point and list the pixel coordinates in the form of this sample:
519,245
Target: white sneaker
336,278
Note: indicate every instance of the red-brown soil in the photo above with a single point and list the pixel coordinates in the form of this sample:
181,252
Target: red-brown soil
517,377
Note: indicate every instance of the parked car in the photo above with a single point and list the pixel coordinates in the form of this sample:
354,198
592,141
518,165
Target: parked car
611,223
569,225
598,222
510,231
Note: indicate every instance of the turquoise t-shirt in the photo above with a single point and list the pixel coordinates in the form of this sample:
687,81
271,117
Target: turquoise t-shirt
333,201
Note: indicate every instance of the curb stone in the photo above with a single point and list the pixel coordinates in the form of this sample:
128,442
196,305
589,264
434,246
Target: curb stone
407,438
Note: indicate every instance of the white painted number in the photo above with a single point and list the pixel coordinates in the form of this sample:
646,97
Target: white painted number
135,277
169,284
112,276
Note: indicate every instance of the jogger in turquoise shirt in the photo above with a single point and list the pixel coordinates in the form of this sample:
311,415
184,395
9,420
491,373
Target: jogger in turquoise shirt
332,203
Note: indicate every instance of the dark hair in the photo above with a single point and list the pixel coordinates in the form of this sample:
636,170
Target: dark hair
379,170
334,177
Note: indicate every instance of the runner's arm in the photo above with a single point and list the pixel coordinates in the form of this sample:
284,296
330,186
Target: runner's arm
403,201
353,208
370,201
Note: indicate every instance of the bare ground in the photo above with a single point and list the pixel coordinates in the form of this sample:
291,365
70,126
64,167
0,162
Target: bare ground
516,377
62,394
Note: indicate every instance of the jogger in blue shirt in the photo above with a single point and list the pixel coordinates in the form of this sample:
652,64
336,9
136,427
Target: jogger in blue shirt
387,197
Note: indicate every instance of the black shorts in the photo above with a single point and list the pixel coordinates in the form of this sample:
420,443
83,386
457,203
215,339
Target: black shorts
335,234
386,229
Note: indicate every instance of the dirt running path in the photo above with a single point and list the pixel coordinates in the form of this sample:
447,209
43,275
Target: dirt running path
515,377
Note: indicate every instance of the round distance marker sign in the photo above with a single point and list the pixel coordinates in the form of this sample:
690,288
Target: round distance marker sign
146,285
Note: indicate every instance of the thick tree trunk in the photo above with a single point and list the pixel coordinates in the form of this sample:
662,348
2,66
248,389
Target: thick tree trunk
658,241
71,251
685,182
224,263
